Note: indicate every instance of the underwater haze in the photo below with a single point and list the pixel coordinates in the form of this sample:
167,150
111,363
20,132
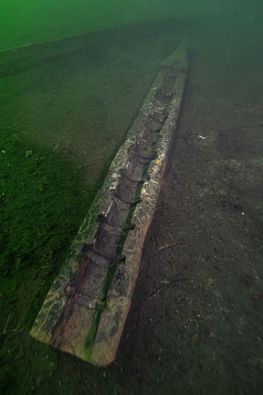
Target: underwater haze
73,76
28,21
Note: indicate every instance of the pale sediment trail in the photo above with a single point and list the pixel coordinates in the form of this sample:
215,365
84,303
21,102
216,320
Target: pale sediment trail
86,308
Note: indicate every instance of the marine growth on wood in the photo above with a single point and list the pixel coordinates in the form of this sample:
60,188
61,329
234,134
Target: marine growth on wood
86,308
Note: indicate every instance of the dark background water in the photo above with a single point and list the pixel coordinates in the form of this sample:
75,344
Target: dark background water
23,22
65,108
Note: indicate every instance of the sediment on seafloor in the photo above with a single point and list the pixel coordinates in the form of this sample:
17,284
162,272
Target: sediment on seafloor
86,308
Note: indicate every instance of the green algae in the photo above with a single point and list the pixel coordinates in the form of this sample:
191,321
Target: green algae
42,203
63,117
38,217
26,366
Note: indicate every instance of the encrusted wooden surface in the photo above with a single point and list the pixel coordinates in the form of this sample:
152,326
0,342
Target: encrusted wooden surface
86,308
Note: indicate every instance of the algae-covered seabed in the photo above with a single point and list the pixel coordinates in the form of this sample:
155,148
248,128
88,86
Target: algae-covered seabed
65,109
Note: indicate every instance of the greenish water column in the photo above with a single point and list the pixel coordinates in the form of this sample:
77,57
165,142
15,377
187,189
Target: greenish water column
26,21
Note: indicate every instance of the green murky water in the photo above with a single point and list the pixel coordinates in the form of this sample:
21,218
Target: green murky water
65,107
28,21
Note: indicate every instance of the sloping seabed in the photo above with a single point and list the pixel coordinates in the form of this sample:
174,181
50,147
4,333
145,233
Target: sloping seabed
65,108
86,308
195,326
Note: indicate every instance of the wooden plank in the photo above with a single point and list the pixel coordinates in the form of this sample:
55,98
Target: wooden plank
86,308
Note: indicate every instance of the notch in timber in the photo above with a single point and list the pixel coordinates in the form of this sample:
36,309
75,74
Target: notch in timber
102,219
123,173
72,320
130,203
